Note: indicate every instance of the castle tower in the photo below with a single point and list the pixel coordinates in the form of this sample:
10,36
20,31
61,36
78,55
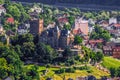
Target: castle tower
36,26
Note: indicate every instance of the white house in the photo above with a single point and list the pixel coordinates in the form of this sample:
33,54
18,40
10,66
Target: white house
112,20
2,9
23,28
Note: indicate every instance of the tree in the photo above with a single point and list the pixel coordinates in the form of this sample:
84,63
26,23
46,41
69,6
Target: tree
100,33
28,50
113,72
118,72
78,40
67,26
20,39
3,68
71,20
34,73
2,1
67,53
44,53
99,56
13,61
14,11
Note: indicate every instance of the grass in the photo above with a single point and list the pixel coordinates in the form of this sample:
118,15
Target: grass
109,62
82,73
94,71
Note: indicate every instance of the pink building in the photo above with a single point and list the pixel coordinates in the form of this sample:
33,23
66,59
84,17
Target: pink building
81,26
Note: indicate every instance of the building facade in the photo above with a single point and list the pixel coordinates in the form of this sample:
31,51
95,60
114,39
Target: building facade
36,26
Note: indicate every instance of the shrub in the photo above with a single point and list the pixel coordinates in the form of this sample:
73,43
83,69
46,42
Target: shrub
70,70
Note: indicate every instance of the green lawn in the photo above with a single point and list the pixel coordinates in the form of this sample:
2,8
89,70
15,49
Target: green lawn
109,62
96,72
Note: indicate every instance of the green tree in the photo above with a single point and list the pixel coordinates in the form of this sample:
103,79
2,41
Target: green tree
118,72
28,50
78,40
44,53
67,26
67,53
13,60
3,68
113,72
71,19
99,56
2,1
14,11
20,39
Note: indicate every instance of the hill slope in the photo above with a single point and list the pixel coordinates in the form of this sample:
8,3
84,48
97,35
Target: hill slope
97,2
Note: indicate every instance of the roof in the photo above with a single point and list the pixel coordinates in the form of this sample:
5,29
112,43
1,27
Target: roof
23,26
64,20
95,41
77,31
113,31
118,48
1,7
10,20
65,32
107,48
116,25
9,33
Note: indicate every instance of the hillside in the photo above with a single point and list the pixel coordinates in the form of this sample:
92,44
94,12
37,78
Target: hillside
97,2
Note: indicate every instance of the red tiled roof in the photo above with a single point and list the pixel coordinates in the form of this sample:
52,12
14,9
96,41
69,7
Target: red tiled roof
1,7
116,25
65,20
95,41
113,31
10,20
77,31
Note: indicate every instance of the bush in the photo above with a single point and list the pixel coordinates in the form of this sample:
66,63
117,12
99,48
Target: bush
82,68
89,71
70,70
62,70
48,66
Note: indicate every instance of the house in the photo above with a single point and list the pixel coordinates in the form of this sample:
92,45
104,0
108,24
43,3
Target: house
66,39
80,26
36,26
104,23
93,43
2,31
33,15
23,28
61,15
2,10
36,9
112,20
63,20
7,78
10,20
51,25
10,33
107,50
116,52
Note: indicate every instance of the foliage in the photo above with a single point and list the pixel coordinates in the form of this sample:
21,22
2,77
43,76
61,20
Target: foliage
100,33
3,68
110,62
78,40
67,26
20,39
67,53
